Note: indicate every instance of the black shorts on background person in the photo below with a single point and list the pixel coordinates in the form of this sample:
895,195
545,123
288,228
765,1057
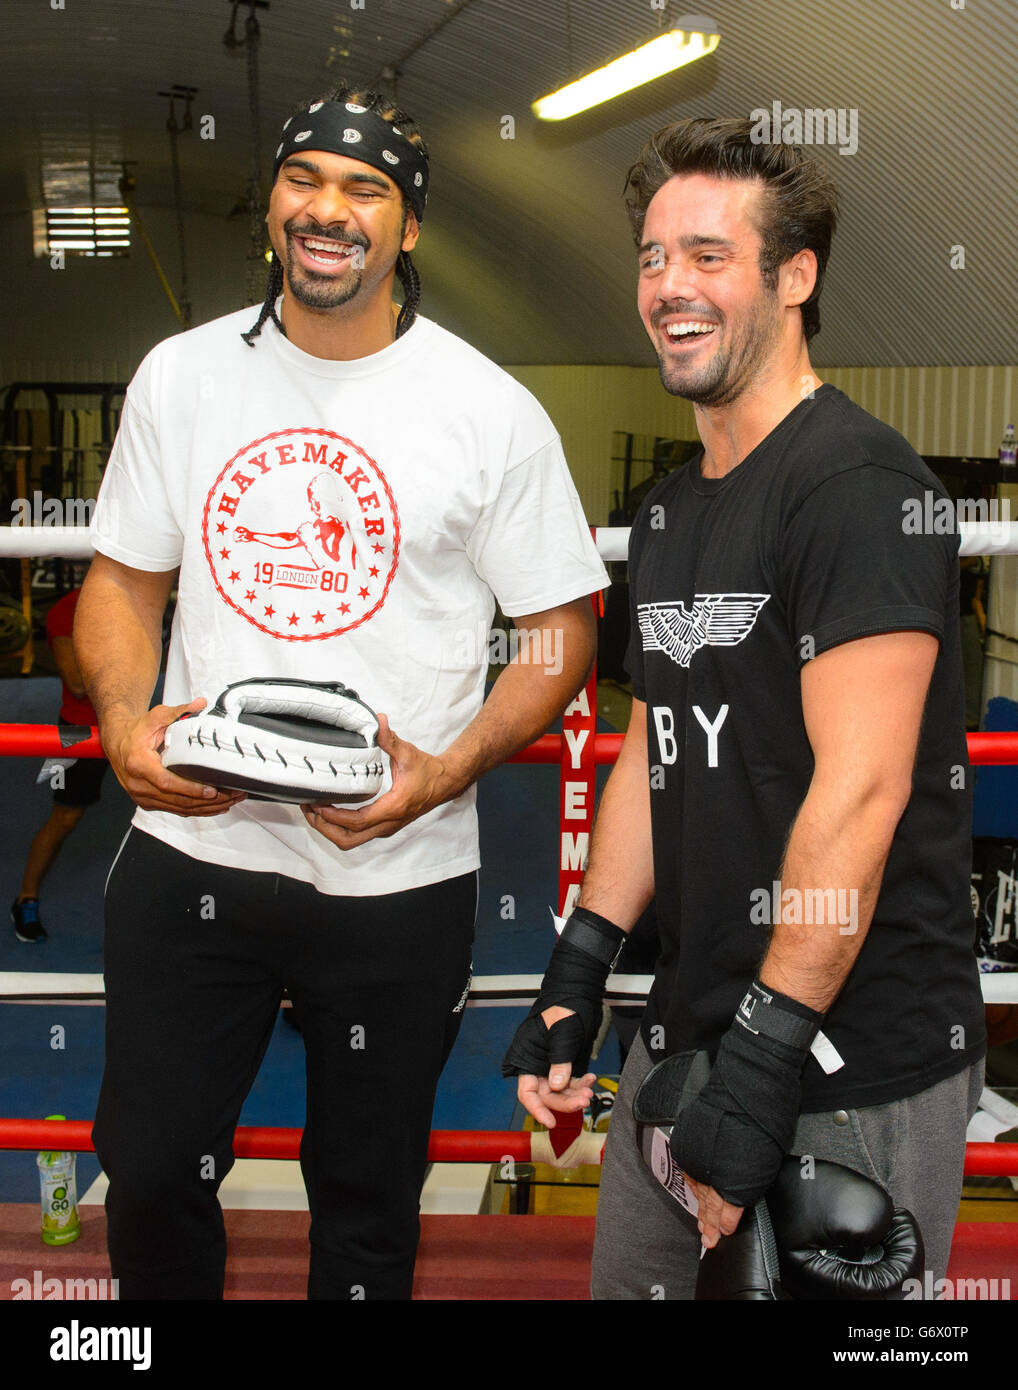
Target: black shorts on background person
75,787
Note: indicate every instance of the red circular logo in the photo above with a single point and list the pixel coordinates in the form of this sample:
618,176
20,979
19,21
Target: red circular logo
301,533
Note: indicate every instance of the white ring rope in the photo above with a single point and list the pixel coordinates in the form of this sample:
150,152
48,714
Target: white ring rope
486,991
75,542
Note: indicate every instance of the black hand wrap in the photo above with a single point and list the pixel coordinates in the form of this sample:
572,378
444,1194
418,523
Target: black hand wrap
737,1131
580,964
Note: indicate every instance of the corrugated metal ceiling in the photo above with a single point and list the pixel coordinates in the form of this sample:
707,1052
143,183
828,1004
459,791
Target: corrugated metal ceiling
526,249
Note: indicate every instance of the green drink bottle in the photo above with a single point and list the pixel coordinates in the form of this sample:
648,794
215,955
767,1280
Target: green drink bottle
58,1180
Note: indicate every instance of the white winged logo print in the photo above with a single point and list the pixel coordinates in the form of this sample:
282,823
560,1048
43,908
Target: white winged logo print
716,620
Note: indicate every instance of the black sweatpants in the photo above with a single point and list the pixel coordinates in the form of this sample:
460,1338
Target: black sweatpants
196,957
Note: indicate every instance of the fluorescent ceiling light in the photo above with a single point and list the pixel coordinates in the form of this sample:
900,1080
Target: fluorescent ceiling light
84,230
694,37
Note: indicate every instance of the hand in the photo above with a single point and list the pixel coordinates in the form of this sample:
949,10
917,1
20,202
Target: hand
715,1216
419,783
732,1138
133,751
559,1090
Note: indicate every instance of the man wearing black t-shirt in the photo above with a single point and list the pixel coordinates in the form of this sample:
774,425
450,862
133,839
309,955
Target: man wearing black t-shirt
793,789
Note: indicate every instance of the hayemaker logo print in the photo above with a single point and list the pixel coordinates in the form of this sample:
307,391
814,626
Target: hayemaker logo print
715,620
302,534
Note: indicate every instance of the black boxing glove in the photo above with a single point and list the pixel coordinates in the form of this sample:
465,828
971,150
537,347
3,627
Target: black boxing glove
822,1232
736,1132
584,956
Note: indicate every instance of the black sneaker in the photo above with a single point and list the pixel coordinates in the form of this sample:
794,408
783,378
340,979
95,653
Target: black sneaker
25,916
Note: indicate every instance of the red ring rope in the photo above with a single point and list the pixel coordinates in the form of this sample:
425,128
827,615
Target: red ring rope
446,1145
43,741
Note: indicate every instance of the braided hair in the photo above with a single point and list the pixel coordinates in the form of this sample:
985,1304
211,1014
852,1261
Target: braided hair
268,309
406,271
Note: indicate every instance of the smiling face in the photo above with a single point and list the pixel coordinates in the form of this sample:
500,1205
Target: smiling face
337,226
713,321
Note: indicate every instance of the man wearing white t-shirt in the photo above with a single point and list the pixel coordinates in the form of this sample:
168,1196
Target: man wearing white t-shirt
344,494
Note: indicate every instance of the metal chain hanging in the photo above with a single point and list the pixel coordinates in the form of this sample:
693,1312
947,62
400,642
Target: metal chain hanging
255,203
174,129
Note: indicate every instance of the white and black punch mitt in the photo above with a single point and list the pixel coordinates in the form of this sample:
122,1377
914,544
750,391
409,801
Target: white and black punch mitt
281,740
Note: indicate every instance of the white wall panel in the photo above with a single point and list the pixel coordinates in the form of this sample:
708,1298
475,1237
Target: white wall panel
953,411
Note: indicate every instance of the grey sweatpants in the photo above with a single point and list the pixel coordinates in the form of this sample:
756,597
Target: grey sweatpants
914,1147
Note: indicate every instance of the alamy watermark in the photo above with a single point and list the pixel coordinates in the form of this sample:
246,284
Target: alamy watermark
931,515
84,1343
51,511
960,1290
41,1288
811,125
806,907
477,646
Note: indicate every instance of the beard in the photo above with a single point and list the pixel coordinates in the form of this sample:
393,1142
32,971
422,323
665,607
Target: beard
724,378
323,291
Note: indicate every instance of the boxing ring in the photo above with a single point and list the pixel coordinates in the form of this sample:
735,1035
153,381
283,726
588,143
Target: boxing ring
578,751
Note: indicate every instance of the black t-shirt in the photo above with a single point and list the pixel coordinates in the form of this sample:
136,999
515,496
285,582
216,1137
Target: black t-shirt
821,535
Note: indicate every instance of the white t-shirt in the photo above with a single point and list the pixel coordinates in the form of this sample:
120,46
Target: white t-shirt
341,521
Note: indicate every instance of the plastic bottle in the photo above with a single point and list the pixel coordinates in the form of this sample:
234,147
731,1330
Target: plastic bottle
58,1179
1007,454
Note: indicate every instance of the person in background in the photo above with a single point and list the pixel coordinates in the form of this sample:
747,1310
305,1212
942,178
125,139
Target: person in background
972,594
78,786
